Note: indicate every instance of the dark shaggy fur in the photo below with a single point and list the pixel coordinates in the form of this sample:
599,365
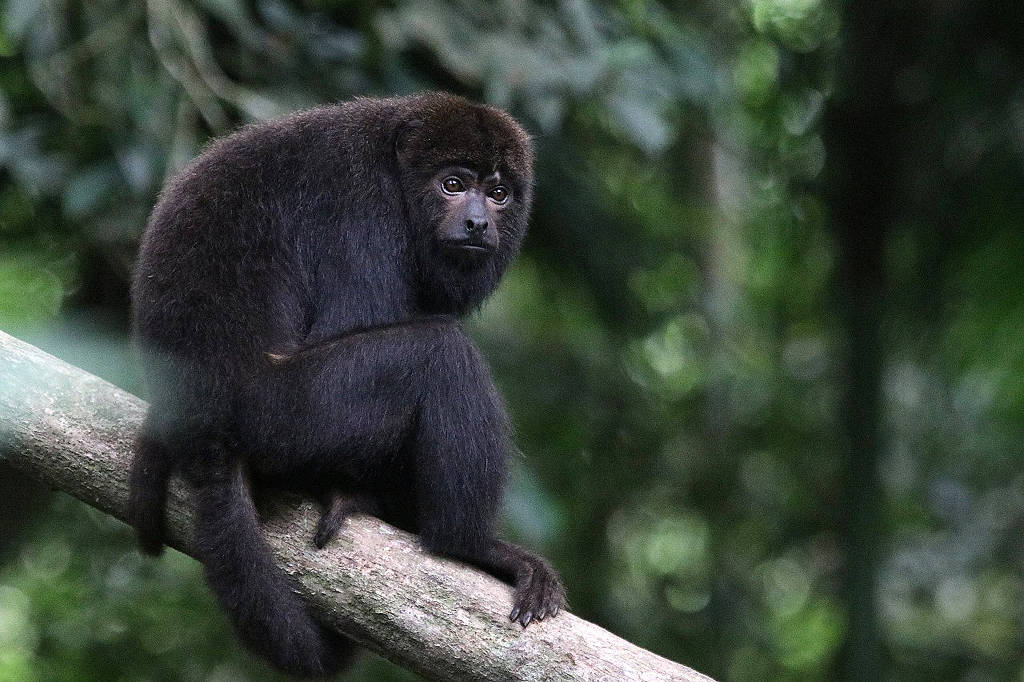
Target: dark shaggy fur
295,303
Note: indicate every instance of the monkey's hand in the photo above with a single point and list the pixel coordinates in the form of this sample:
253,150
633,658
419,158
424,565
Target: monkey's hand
538,591
537,596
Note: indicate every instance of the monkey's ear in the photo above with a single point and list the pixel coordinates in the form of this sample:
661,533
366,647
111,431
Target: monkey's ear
404,135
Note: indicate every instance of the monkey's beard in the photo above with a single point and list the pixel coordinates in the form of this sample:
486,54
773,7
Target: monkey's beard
457,281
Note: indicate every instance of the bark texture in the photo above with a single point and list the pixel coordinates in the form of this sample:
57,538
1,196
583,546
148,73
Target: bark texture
442,619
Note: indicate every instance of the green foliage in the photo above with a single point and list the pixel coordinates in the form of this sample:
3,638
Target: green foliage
32,293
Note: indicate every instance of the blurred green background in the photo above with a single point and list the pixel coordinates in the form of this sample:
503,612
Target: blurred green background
764,346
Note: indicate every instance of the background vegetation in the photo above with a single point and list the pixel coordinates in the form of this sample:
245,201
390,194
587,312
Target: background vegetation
764,347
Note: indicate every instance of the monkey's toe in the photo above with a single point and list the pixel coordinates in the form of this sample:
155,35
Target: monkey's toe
325,534
326,529
540,597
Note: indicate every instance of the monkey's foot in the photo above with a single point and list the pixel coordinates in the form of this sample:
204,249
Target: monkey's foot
338,508
537,597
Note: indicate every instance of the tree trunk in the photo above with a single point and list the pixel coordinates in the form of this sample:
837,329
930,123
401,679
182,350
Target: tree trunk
864,139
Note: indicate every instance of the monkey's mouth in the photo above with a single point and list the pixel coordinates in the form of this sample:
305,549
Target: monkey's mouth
472,249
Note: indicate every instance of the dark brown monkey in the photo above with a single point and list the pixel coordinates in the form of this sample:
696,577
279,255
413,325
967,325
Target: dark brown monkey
296,303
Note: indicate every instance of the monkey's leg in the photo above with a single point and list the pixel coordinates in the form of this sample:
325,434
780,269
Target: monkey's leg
338,412
337,416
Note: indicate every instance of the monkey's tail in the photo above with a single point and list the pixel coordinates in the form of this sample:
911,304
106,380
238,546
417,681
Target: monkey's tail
150,473
268,617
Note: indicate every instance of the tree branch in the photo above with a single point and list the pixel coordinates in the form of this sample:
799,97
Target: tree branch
444,620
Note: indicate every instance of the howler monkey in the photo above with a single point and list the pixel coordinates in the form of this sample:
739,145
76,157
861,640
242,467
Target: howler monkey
295,303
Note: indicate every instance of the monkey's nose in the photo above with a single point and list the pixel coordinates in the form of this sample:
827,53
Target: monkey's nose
475,227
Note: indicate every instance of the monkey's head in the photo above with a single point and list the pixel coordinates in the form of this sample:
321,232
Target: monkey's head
467,176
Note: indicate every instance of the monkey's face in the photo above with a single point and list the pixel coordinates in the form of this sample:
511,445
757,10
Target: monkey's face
473,206
466,172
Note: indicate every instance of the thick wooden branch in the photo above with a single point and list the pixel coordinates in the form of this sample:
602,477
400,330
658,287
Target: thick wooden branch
444,620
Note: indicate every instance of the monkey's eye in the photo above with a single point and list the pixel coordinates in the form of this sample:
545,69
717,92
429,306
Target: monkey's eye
452,185
499,194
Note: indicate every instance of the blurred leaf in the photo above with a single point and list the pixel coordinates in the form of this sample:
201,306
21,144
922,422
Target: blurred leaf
30,293
89,188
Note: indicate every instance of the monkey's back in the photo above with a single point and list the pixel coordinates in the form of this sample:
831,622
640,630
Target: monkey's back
227,260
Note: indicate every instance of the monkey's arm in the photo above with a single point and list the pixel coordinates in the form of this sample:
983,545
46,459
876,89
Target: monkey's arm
454,443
